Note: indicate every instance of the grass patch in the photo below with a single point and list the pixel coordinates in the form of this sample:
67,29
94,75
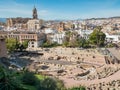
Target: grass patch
29,87
40,77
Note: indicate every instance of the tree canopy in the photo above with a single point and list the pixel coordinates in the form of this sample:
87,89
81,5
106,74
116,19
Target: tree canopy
13,44
97,37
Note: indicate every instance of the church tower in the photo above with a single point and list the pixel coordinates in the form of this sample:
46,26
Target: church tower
35,16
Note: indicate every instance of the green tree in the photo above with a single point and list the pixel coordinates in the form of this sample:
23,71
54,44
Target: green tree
48,84
12,44
65,43
21,47
97,37
83,43
29,78
73,42
70,39
8,80
78,88
73,26
51,84
25,44
60,85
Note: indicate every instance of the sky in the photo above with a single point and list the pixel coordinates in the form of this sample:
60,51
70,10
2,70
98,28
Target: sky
60,9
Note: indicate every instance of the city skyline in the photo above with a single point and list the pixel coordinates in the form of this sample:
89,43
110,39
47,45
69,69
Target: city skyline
60,9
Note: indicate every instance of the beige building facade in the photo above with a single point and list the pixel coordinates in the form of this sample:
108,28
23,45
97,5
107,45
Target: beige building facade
33,25
61,26
35,39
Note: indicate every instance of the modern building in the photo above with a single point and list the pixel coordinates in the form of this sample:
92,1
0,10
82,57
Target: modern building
49,30
84,33
112,38
55,36
59,37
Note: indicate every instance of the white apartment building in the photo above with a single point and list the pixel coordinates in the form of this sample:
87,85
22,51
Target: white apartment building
84,33
54,35
58,37
112,38
49,30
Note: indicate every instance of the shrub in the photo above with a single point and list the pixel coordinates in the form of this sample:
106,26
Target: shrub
29,78
9,81
51,84
78,88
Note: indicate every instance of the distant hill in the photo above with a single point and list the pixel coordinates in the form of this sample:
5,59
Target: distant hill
3,20
116,17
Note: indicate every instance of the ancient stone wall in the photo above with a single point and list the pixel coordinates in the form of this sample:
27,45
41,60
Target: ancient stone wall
3,50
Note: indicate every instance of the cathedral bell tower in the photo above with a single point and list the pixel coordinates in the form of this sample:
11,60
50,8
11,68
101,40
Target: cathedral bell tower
35,16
